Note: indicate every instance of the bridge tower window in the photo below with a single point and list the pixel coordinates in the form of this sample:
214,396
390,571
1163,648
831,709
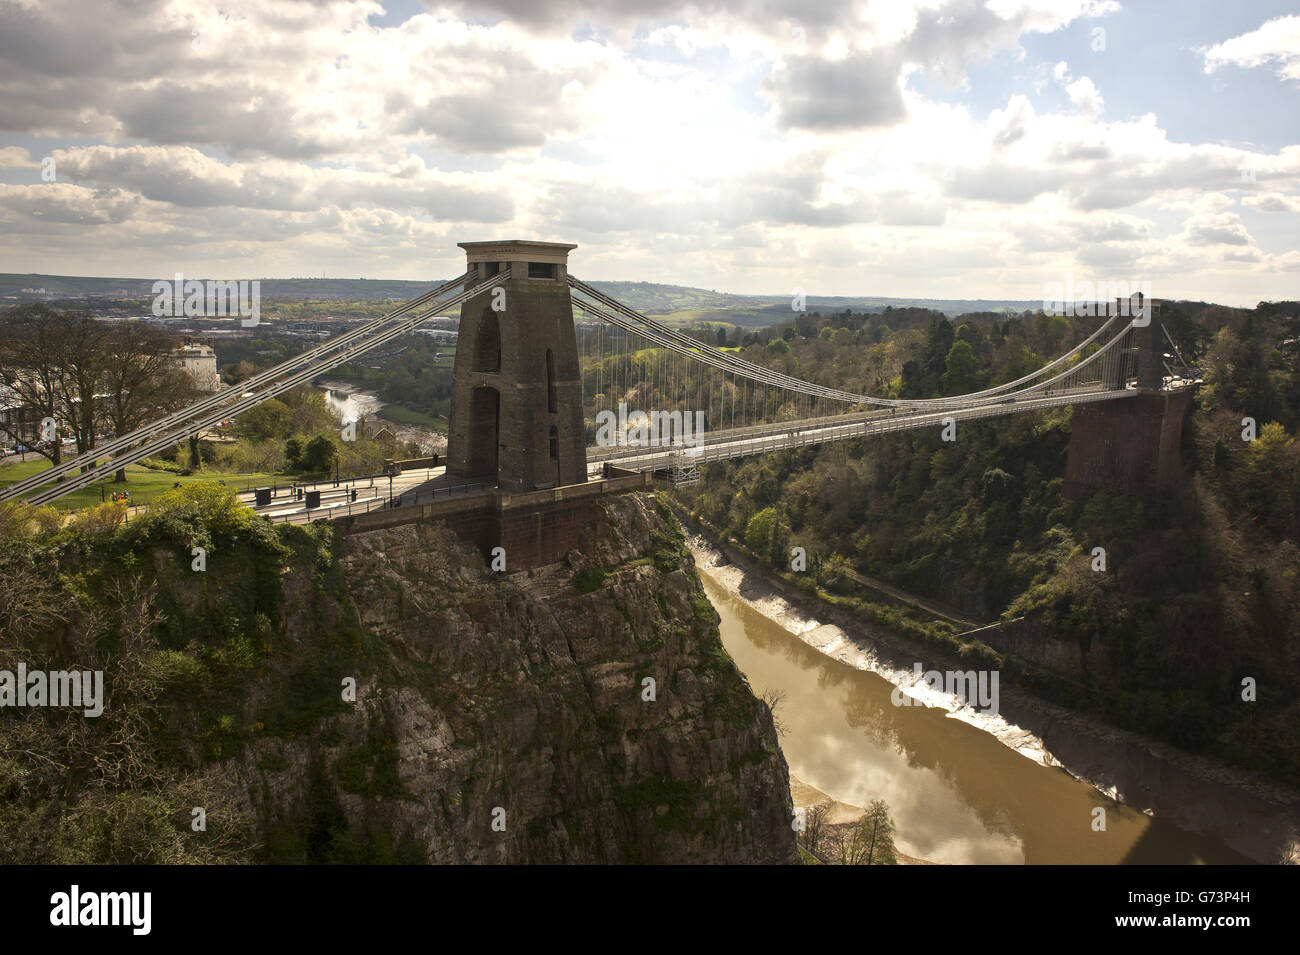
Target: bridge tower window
541,270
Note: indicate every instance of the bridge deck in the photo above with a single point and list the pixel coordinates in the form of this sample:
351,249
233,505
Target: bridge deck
725,444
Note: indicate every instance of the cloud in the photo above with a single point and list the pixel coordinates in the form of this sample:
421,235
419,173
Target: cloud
67,204
861,90
755,143
1084,95
1272,202
1223,228
1276,43
183,176
15,157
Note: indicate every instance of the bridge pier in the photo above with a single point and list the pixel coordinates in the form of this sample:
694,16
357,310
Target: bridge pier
1127,444
1130,443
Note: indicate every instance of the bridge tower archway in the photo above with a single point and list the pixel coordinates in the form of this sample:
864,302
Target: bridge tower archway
517,381
485,432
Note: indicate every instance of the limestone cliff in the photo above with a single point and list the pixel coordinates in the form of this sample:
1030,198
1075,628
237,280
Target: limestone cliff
520,699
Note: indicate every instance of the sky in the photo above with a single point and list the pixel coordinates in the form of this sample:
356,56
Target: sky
937,148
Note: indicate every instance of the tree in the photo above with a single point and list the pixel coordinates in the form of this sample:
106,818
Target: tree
722,336
271,419
871,842
879,829
81,357
812,836
318,455
765,535
939,339
30,368
140,373
88,376
241,370
309,411
959,376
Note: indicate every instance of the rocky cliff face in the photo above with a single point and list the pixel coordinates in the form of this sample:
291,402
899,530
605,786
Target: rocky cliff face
510,718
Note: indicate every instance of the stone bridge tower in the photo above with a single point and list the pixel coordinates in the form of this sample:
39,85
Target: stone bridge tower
516,400
1130,444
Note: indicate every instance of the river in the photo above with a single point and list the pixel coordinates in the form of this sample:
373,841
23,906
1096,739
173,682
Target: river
351,405
957,793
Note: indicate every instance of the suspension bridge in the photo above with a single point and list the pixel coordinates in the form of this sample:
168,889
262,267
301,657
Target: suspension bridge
530,385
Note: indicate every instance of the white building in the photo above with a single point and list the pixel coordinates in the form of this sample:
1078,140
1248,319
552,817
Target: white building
199,360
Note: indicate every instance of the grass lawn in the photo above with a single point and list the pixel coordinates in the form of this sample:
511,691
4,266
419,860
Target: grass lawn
400,415
143,483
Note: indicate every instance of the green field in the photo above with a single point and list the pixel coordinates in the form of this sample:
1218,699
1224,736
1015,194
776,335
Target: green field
399,414
747,317
143,483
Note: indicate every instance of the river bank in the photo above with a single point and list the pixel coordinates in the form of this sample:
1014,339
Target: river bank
1251,818
351,403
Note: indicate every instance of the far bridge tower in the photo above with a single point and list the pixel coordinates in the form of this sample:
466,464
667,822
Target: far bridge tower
516,403
1130,444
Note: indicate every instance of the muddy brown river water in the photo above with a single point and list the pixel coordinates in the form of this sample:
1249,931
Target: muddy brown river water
956,793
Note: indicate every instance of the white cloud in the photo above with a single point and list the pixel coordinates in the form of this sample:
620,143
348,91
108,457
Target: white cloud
748,144
1272,202
1084,95
1276,44
1221,228
15,157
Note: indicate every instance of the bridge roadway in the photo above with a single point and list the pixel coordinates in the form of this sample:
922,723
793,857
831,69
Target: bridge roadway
433,483
725,444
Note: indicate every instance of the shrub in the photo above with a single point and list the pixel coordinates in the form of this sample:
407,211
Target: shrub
15,519
589,579
49,519
198,514
158,464
101,519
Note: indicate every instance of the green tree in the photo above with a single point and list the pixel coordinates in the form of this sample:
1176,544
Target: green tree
318,455
293,453
271,419
871,842
880,835
959,377
765,536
